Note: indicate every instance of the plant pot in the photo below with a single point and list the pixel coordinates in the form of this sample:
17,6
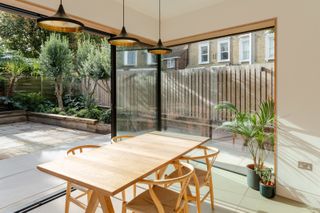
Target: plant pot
267,191
253,179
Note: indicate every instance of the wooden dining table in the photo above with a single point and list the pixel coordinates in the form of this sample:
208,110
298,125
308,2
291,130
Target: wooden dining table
113,168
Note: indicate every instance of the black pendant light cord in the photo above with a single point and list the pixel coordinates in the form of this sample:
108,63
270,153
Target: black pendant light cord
159,19
122,12
60,2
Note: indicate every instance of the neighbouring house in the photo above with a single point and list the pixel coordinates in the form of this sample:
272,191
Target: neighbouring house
177,59
136,60
248,48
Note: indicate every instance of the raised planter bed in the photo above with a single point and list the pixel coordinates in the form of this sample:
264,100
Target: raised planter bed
71,122
90,125
7,117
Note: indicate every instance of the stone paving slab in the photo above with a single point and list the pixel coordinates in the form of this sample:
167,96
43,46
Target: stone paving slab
28,137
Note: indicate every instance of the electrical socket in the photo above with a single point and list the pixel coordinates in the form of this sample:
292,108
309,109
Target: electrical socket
304,165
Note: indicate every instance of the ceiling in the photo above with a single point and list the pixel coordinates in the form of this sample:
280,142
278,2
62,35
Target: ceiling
170,8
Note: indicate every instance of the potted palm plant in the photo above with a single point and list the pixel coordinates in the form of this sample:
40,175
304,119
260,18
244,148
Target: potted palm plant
256,129
267,186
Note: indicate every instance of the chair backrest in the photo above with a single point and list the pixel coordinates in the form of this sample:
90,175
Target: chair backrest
186,171
80,149
119,138
209,156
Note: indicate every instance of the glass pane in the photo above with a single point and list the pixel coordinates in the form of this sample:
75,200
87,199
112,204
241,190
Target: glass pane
245,49
271,47
131,57
136,97
204,50
190,94
224,47
204,58
224,56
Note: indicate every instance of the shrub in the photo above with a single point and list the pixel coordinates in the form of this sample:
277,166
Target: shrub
106,117
62,113
94,113
83,113
30,101
75,102
55,110
72,111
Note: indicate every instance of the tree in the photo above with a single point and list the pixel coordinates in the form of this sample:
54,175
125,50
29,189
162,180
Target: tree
93,64
56,62
14,67
21,34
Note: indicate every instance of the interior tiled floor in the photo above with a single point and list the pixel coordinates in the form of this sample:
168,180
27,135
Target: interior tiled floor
231,195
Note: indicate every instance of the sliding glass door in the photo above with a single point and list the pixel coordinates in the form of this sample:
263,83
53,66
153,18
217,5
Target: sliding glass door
136,91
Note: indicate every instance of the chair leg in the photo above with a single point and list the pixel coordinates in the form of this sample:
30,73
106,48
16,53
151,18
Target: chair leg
198,198
89,194
124,207
68,195
186,207
134,190
211,192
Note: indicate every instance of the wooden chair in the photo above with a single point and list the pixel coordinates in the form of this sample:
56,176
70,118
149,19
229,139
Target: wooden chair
117,139
84,191
202,178
159,199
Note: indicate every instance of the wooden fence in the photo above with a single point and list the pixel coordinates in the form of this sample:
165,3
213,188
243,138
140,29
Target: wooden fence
189,95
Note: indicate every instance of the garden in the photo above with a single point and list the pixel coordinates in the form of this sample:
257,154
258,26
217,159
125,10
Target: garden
68,67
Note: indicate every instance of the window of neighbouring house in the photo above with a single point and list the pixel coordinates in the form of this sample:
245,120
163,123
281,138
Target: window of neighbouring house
151,59
204,53
171,63
245,48
269,46
130,58
224,50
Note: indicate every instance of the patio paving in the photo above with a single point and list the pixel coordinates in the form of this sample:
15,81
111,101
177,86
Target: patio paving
20,182
28,137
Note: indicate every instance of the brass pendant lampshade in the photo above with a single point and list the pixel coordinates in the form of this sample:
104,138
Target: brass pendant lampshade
60,22
123,39
159,49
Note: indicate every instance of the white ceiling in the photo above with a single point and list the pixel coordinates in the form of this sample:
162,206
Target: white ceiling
170,8
141,15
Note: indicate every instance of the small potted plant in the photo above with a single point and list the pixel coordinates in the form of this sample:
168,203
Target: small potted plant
267,186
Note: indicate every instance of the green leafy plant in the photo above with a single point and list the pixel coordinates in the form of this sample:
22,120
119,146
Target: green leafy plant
56,61
74,102
256,129
72,111
266,176
55,110
106,116
14,67
93,64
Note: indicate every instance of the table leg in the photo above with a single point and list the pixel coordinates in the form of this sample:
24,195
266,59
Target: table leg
106,204
93,203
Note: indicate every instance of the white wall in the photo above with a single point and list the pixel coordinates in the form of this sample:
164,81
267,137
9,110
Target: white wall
298,80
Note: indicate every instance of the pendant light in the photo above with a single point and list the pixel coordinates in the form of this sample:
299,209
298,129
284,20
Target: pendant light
159,49
60,22
123,40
